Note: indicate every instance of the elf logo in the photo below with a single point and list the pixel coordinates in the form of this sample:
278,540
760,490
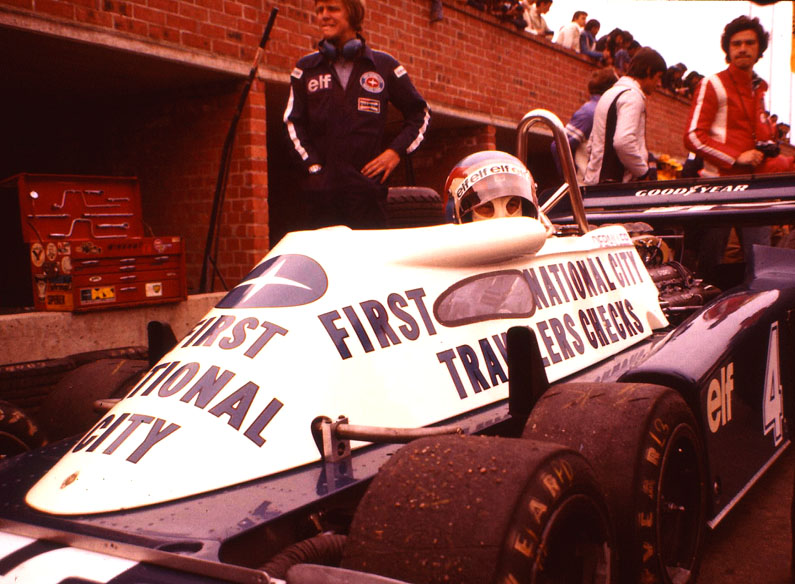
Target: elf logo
719,398
319,82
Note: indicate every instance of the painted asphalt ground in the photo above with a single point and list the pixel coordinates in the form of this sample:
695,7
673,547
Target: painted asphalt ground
753,544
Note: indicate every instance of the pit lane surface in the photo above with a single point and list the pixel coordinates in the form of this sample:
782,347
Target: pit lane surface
754,542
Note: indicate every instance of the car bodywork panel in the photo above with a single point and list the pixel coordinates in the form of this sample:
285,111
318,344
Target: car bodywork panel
245,407
214,448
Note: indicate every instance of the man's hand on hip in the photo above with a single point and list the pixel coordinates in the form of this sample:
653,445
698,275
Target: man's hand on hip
382,164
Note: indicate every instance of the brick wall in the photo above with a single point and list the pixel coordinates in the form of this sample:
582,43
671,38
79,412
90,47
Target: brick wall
468,66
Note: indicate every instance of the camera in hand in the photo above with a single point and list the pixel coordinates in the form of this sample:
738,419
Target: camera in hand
769,148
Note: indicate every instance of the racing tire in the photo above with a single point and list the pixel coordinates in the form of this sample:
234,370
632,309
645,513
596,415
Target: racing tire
413,207
69,409
483,509
18,431
643,443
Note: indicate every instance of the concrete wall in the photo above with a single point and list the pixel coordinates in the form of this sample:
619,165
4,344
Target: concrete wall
39,336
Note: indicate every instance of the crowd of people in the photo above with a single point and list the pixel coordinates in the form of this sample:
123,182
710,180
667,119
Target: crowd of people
607,134
613,50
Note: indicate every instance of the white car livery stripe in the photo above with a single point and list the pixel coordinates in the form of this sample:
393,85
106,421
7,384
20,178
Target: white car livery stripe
25,560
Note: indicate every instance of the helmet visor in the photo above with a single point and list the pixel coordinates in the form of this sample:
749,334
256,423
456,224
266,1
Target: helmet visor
495,186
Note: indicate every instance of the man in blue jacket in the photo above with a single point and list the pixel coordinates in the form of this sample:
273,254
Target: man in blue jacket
336,115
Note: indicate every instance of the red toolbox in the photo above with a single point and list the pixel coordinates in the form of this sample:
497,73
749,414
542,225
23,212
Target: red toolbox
84,245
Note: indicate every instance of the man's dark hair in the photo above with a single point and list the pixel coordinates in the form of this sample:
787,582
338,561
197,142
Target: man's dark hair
740,24
578,14
601,80
591,24
646,63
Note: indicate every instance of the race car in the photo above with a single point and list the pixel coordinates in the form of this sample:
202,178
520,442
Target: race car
527,399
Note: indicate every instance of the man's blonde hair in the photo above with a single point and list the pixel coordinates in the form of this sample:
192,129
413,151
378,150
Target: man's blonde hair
355,10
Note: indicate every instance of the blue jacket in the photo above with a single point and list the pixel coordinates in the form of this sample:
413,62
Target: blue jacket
588,45
343,129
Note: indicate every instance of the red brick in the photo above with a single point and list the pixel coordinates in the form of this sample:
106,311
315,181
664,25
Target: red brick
212,32
220,47
138,27
95,17
56,8
149,15
193,12
163,33
164,5
26,4
195,41
214,5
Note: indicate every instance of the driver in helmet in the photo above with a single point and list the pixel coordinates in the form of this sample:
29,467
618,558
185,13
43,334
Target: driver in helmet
489,185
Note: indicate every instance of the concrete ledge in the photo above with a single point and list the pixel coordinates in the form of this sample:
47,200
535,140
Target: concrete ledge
36,336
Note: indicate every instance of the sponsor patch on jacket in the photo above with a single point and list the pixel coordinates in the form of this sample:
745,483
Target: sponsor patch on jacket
400,71
320,82
372,82
297,73
369,105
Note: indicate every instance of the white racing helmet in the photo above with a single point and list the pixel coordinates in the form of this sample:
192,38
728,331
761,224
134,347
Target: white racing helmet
491,176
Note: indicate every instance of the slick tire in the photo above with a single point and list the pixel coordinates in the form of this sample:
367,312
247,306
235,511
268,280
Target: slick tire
69,409
483,509
643,444
413,207
18,431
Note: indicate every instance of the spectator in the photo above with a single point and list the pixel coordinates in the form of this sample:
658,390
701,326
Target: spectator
436,10
731,133
772,120
728,130
611,42
336,115
569,34
479,4
578,130
618,138
672,79
534,16
623,55
511,11
691,82
782,133
588,40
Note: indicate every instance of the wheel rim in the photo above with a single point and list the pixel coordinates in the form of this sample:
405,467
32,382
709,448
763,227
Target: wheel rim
681,506
578,549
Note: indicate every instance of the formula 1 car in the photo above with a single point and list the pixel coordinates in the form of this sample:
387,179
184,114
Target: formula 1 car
486,402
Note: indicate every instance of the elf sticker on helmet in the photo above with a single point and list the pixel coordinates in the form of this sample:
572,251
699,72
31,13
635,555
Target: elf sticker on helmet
491,177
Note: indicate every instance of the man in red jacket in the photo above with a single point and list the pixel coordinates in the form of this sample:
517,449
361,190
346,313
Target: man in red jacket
728,128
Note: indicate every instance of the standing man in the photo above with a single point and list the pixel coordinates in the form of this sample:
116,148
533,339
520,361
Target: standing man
578,130
728,127
569,34
618,138
336,115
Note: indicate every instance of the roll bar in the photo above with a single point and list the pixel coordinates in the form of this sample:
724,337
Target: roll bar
552,122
